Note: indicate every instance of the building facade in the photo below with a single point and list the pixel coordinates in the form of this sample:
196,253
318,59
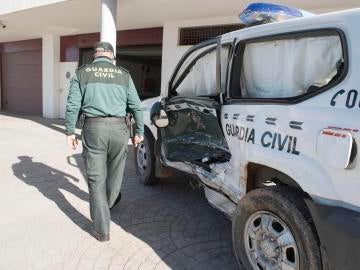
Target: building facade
42,42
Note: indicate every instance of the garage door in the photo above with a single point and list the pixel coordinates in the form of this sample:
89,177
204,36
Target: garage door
22,82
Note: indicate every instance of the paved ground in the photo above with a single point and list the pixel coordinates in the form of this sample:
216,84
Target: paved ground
44,217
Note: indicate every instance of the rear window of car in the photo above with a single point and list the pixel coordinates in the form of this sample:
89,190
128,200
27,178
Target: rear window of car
287,66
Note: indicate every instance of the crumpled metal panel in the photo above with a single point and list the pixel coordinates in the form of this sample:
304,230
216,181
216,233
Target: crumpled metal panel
220,201
215,177
194,134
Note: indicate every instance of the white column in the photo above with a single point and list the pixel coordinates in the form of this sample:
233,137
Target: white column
50,75
108,22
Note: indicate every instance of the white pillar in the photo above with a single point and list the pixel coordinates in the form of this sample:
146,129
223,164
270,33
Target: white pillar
50,75
108,22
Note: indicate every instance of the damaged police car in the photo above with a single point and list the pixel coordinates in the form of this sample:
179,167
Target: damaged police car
267,119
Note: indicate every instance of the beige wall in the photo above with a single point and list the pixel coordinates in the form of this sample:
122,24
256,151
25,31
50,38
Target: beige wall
8,6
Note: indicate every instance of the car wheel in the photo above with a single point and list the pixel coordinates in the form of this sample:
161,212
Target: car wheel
145,160
272,229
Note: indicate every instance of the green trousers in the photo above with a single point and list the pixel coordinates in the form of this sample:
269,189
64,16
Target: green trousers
105,146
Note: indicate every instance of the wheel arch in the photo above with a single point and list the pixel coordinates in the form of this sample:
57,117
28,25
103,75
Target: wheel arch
151,129
258,175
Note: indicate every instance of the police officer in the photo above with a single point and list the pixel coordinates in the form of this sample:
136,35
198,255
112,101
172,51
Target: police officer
103,93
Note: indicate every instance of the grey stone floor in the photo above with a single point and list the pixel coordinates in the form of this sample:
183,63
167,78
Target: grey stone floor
44,216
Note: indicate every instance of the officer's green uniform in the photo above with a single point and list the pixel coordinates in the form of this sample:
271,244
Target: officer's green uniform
103,92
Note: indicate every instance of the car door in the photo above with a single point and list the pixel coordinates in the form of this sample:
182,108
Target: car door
194,133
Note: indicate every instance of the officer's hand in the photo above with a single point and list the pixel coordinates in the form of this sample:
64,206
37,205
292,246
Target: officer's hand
72,141
137,139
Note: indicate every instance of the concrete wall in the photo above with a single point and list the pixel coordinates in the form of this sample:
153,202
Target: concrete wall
172,52
50,70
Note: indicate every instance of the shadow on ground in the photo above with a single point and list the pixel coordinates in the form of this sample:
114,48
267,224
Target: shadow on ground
49,181
170,217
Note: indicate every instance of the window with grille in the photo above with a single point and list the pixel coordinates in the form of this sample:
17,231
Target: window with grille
195,35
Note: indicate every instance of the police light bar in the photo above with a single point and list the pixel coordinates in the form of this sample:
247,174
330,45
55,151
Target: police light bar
261,13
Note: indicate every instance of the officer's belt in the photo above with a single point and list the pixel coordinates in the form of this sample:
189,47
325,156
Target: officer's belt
105,119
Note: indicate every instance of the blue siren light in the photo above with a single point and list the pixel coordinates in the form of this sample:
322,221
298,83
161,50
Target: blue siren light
261,13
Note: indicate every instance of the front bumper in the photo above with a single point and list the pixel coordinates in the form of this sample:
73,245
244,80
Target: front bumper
339,234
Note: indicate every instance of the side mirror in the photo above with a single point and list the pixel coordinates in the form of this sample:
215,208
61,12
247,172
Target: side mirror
158,116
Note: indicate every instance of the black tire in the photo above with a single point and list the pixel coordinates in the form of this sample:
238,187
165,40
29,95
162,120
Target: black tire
286,205
145,160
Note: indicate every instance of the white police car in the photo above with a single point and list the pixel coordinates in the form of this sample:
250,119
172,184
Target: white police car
267,118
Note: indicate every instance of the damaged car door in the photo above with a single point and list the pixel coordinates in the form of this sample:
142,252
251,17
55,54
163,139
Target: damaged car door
194,133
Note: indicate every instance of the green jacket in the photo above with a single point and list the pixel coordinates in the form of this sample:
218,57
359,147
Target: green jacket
102,89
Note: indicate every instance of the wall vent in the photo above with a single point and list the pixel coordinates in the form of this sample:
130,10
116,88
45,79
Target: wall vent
194,35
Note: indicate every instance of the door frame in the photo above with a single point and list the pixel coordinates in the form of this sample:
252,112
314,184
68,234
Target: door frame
185,56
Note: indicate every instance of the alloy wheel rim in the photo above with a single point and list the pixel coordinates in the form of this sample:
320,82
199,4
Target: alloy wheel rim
142,157
269,243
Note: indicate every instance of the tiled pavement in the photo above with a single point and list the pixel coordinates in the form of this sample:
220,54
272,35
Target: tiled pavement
44,216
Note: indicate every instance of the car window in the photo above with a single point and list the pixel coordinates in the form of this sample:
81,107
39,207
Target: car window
188,63
288,67
201,78
197,76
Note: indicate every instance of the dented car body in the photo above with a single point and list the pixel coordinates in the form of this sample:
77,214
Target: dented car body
272,108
